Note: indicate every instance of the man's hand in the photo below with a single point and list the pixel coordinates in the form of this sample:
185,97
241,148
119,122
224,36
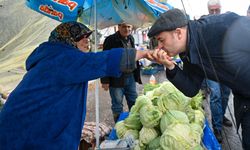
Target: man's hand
161,57
105,87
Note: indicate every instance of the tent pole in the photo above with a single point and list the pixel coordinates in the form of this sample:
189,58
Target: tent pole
96,83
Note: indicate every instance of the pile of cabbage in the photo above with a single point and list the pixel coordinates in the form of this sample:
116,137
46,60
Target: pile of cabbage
164,119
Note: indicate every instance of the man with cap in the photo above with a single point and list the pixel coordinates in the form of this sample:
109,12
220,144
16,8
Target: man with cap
215,47
46,111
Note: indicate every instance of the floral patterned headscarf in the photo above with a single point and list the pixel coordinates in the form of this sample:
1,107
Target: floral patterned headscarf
69,33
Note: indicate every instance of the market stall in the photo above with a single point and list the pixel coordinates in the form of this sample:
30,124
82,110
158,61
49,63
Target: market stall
163,118
147,115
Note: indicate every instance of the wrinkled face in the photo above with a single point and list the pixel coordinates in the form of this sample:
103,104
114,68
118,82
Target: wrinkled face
214,9
83,45
172,42
125,29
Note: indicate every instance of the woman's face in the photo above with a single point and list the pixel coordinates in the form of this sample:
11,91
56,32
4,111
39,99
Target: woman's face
83,45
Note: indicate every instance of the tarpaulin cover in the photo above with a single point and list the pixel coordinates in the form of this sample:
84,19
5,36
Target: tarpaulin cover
139,13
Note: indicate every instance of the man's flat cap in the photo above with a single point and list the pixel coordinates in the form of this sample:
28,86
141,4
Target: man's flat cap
168,21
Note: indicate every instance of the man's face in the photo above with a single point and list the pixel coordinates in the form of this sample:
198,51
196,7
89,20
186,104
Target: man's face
214,9
125,29
83,45
169,42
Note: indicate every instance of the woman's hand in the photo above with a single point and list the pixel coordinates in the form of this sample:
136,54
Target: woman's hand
143,54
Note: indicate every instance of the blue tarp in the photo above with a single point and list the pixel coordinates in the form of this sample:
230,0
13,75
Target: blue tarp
209,140
139,13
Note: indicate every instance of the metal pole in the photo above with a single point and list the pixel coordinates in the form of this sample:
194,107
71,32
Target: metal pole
97,82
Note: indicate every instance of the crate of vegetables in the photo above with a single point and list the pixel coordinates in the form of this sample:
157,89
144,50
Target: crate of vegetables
164,118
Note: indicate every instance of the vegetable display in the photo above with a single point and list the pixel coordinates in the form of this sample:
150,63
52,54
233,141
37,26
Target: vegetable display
164,119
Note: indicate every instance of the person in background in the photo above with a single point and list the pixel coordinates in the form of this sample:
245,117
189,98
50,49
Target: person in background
216,47
214,7
46,111
125,85
248,11
219,93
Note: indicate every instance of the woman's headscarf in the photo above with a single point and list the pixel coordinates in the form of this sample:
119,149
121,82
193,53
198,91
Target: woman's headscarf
69,33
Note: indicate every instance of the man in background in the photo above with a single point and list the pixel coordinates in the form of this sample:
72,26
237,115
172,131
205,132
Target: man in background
219,93
214,7
126,84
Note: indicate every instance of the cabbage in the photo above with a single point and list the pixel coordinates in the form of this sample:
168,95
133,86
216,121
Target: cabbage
171,101
150,94
154,144
196,101
149,87
198,147
190,113
153,98
140,101
138,147
133,133
166,87
150,116
196,132
146,135
133,121
172,116
121,129
199,117
177,137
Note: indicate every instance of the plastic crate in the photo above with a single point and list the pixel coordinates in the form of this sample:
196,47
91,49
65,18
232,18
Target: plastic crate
112,135
149,71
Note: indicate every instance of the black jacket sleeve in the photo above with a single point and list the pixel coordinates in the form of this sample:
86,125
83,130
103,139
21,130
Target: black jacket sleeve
107,45
188,81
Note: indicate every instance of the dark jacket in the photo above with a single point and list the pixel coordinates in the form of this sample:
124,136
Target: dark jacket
115,41
218,48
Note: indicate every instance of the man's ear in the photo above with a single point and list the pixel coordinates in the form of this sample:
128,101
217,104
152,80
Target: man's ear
179,33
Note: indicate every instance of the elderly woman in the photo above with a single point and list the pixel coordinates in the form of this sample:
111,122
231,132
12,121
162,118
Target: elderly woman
47,109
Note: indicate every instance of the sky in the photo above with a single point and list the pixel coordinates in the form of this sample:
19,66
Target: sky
197,8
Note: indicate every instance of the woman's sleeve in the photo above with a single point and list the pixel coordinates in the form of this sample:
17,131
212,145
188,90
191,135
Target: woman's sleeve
82,67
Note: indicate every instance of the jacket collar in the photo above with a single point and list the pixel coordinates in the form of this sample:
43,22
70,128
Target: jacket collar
192,49
122,39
